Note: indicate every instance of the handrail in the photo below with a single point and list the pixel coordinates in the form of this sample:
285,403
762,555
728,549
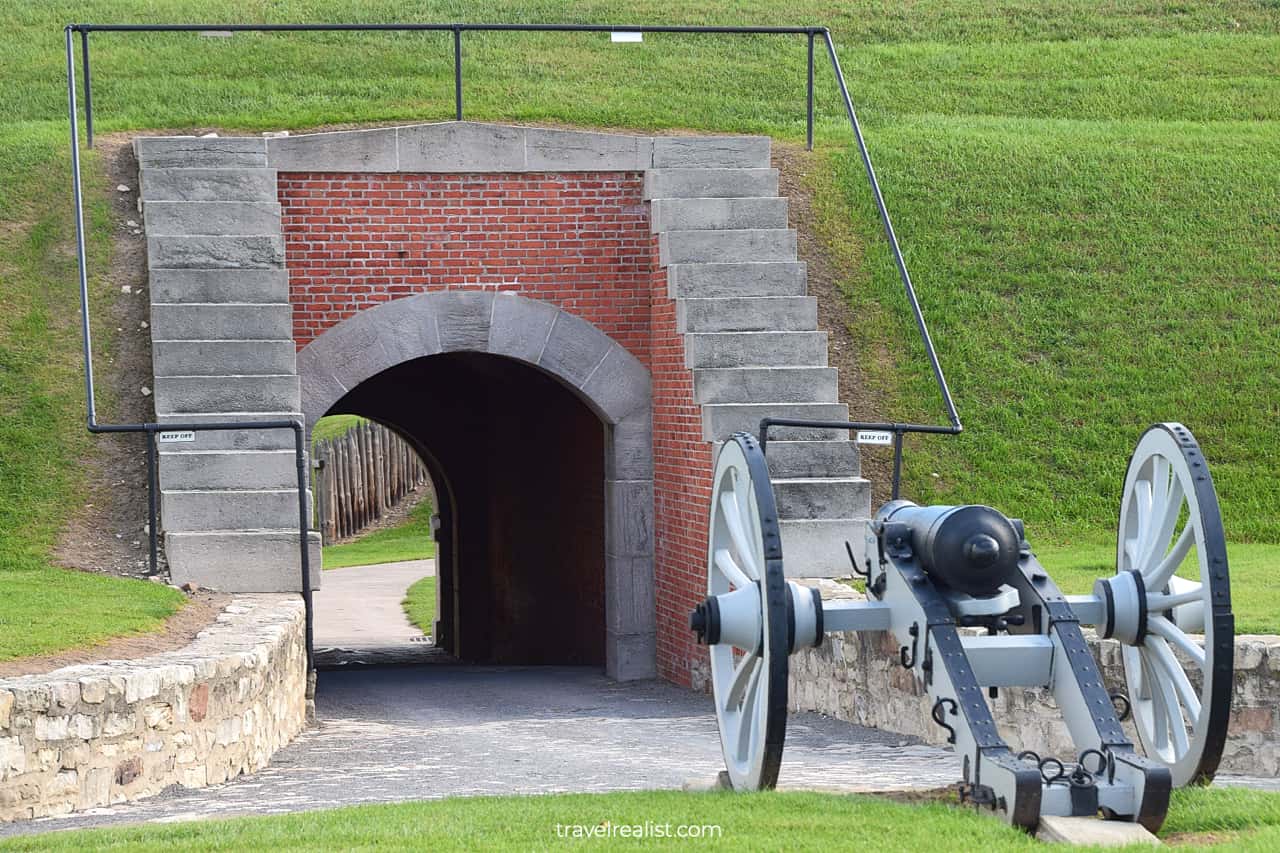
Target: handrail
457,29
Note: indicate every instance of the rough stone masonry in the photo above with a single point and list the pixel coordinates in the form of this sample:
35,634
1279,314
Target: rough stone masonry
87,736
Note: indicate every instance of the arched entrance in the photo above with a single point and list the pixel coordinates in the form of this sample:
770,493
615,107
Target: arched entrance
536,426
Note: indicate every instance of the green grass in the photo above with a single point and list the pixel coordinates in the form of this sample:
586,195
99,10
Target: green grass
420,604
1085,193
334,426
45,609
409,540
1243,819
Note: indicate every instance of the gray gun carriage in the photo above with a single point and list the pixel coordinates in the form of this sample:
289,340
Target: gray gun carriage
932,571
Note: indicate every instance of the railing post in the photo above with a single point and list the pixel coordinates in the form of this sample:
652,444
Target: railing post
897,464
88,87
153,486
457,73
809,123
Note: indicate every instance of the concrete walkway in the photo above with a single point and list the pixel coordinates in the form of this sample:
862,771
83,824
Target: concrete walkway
407,733
359,607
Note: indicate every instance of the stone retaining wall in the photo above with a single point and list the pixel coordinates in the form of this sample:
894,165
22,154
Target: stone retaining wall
856,677
87,736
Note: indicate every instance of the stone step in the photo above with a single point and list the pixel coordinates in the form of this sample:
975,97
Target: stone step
184,510
197,394
249,439
240,559
714,247
208,185
798,459
822,497
226,469
772,384
205,286
212,217
748,314
241,251
721,420
736,152
710,183
693,214
755,349
713,281
185,152
222,358
211,321
815,547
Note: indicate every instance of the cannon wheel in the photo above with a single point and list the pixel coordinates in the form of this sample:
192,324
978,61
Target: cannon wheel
745,553
1178,663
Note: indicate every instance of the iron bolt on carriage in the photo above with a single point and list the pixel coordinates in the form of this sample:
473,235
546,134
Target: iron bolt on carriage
931,571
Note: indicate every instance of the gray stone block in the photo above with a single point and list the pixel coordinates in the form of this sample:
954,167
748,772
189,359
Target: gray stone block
212,217
630,455
197,394
822,497
693,214
222,358
791,459
709,281
628,518
713,247
197,152
208,185
814,548
215,252
619,385
406,328
341,151
206,322
766,385
256,286
720,152
721,420
572,150
461,146
631,657
574,349
320,390
628,595
520,327
249,439
748,314
225,509
236,561
710,183
226,469
756,349
463,318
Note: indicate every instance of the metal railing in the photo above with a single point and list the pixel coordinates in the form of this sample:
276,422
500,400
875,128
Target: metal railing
811,34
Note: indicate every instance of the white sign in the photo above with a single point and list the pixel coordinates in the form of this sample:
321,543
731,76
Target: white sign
625,36
874,436
185,435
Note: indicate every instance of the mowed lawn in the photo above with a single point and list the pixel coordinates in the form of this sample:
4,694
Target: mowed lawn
1086,195
1234,819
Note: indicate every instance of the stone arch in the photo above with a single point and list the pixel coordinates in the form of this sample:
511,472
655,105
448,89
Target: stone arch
608,379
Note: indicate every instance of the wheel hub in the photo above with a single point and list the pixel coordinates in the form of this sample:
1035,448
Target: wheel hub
1125,596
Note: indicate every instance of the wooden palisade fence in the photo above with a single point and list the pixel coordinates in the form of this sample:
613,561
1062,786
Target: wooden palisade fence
361,475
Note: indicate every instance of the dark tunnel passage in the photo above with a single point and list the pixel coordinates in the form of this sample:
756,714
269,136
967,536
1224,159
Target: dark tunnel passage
517,461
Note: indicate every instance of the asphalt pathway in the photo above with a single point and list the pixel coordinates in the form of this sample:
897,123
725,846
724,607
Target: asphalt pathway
409,733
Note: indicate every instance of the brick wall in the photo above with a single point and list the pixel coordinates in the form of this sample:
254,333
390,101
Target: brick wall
578,240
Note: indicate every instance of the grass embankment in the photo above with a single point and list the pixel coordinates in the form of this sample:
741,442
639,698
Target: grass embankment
420,604
45,609
1083,194
408,540
1233,818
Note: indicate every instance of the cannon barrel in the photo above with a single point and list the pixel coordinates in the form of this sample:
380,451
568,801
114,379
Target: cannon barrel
972,549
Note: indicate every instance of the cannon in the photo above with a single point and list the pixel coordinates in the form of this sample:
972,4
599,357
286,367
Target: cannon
973,611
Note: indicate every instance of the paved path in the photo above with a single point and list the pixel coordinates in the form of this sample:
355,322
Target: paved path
360,606
389,734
